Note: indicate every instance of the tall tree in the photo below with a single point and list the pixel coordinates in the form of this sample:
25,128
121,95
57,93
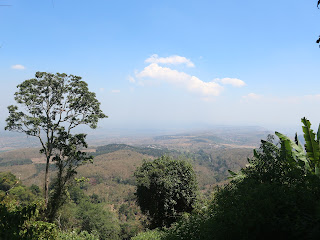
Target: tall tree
53,105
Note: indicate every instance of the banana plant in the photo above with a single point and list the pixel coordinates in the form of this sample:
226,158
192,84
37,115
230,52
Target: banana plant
295,153
307,158
310,155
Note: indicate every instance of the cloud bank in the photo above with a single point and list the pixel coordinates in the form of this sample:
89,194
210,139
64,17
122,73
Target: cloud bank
155,73
180,79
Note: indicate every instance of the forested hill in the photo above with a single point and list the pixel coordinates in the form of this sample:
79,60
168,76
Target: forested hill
150,150
111,180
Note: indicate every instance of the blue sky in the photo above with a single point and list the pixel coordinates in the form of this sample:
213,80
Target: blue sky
169,64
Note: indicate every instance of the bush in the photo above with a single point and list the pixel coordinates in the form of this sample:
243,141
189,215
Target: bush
18,222
149,235
84,235
93,218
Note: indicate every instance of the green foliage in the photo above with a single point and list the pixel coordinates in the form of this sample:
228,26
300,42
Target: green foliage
189,226
255,210
156,152
12,219
218,161
93,217
7,181
68,158
312,145
20,216
18,222
274,164
83,213
35,189
309,157
149,235
40,230
165,189
129,229
130,220
22,194
12,189
15,162
274,197
294,152
83,235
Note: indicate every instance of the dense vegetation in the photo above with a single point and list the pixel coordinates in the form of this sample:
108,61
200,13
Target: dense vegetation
151,151
15,162
166,188
82,217
276,196
112,184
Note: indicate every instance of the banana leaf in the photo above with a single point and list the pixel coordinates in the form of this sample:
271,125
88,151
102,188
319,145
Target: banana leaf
296,150
311,145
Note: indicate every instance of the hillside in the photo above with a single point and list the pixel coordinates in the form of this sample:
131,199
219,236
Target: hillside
114,164
110,176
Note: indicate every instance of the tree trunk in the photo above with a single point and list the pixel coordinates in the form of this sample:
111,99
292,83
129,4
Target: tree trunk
46,183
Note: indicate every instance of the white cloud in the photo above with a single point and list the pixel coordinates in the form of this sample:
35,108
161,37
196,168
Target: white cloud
101,89
180,79
174,60
235,82
115,91
18,67
252,96
131,79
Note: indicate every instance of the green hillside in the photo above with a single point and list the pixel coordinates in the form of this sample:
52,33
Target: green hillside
110,176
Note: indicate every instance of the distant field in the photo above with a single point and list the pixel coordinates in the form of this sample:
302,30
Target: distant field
212,153
114,164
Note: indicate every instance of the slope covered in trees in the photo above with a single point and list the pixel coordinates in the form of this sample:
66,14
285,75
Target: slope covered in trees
275,196
111,181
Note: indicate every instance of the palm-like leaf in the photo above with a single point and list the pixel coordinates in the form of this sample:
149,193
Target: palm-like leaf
294,149
311,145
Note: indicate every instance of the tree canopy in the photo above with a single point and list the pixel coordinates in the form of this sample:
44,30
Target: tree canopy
165,189
51,105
